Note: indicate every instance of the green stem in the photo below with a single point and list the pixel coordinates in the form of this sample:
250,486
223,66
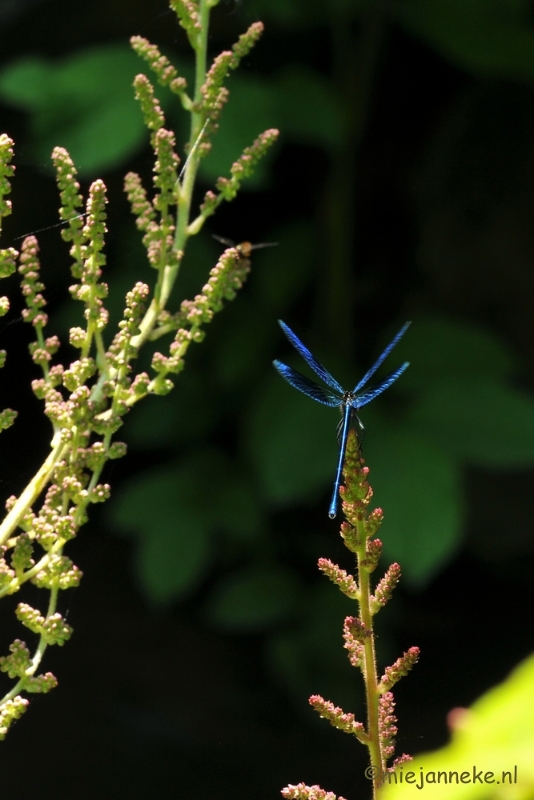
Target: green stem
184,190
33,489
369,666
355,64
38,655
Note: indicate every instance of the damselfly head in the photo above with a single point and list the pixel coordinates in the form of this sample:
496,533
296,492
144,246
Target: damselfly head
244,248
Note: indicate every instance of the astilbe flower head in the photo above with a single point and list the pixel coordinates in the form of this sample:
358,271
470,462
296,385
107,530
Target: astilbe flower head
353,642
8,255
338,718
7,170
142,208
189,19
213,92
7,576
21,558
158,239
225,279
86,399
342,579
40,684
10,711
17,663
387,723
150,107
385,587
399,669
71,199
303,792
31,286
242,168
356,493
165,71
358,532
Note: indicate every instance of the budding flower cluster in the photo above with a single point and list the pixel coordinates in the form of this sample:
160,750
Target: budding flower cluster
338,718
399,669
7,256
189,18
346,582
86,399
6,171
358,532
387,723
166,72
302,792
11,710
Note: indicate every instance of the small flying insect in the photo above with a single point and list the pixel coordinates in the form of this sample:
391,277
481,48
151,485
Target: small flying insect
244,248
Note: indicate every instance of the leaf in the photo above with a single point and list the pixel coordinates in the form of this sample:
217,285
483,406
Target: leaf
166,510
478,420
303,14
494,740
292,443
84,102
439,349
176,511
486,38
253,599
418,485
309,113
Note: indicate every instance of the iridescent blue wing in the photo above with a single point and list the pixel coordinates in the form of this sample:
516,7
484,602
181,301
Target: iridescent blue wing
380,360
310,360
306,386
374,391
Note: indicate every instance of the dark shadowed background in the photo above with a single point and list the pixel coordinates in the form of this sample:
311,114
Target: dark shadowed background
402,188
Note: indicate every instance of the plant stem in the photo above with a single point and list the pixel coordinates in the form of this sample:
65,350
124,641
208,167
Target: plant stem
39,652
378,762
33,489
184,190
355,65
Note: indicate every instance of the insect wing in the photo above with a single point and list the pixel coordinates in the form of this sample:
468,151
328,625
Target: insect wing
374,391
306,386
261,245
369,374
223,240
310,360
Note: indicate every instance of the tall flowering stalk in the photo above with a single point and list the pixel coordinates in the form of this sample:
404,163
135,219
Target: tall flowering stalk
359,536
87,399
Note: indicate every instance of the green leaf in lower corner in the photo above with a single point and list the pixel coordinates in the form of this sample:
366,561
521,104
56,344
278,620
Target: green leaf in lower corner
254,598
490,755
418,485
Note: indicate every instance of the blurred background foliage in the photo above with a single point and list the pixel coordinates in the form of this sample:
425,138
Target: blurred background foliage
402,188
